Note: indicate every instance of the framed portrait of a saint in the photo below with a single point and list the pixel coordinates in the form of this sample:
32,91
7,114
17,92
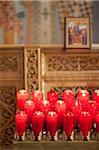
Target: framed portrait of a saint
77,32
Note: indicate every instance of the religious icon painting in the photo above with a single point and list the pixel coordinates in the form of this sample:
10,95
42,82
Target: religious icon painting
77,33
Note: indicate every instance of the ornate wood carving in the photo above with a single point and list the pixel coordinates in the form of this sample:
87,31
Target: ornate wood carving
31,69
7,114
11,66
73,62
11,79
8,63
70,68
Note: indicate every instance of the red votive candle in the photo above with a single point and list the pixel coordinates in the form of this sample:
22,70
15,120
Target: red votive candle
92,109
68,124
68,94
52,123
60,108
20,122
83,97
37,123
68,98
45,106
29,108
37,98
22,96
85,123
77,110
96,96
52,97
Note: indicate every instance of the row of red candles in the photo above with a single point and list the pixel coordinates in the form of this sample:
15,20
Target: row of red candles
53,113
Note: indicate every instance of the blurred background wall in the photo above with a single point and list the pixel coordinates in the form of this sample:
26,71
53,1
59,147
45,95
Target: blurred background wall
42,21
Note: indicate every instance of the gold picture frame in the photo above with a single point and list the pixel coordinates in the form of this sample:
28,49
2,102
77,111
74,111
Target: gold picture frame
77,32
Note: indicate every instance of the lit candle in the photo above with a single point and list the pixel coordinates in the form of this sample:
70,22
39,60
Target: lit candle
37,98
22,96
68,98
68,124
20,122
96,96
85,123
52,97
37,123
29,108
60,108
45,106
83,97
68,95
92,109
77,111
52,123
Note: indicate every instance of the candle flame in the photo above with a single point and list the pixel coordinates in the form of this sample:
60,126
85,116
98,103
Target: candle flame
29,102
38,113
22,91
52,113
84,92
60,102
45,102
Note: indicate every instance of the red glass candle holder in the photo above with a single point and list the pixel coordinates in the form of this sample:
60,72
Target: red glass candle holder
68,124
29,108
52,97
52,123
96,98
85,123
68,95
83,97
22,96
37,98
45,106
37,123
68,98
77,110
92,109
60,109
20,122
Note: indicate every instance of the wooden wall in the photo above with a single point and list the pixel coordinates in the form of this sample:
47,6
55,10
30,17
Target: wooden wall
72,68
21,67
11,79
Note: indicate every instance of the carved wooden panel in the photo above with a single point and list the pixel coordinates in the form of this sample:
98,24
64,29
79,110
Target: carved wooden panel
11,80
8,63
11,65
7,114
73,62
32,68
70,68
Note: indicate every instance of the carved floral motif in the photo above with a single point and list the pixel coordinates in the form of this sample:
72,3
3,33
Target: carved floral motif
73,63
8,63
7,114
32,69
